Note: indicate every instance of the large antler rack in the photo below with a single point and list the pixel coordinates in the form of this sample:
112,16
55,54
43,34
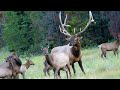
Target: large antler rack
63,25
91,20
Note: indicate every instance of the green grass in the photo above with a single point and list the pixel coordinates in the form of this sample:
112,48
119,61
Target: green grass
95,67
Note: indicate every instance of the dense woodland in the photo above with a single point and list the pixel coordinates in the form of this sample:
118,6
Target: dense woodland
27,31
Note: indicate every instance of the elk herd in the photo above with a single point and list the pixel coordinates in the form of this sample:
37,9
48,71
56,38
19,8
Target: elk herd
60,57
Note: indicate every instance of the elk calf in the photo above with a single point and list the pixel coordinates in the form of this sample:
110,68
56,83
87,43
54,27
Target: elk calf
110,47
24,67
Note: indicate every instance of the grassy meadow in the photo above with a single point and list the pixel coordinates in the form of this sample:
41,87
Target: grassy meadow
94,66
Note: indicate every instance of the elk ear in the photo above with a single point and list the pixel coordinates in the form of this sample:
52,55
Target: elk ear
68,39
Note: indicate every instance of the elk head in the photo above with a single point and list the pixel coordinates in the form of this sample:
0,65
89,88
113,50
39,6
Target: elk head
30,62
76,37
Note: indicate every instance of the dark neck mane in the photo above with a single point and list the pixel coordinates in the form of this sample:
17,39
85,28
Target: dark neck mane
76,50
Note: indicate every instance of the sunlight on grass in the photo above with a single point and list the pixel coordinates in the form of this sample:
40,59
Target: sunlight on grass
95,67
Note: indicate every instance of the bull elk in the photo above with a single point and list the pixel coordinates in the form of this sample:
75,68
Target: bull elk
110,47
73,49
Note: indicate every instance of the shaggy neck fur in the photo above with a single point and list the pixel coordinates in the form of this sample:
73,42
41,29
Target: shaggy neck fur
18,62
76,49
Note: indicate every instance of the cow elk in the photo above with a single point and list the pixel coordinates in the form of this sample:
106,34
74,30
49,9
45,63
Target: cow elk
16,62
47,66
7,72
110,47
73,49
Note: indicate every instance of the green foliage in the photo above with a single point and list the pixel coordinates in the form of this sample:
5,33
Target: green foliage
28,31
18,32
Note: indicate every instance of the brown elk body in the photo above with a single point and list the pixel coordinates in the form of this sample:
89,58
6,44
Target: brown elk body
16,64
59,61
6,72
110,47
48,67
73,49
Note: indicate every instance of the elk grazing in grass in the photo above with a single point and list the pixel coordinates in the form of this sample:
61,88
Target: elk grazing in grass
24,67
110,47
73,49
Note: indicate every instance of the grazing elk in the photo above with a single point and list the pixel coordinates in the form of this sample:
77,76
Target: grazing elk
110,47
73,49
24,67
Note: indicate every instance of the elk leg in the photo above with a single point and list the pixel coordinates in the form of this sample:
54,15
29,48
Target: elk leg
81,66
59,73
114,53
48,71
44,70
16,76
102,55
23,75
56,73
73,69
66,71
68,66
117,53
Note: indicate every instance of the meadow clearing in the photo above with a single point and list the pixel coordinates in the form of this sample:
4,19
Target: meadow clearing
94,66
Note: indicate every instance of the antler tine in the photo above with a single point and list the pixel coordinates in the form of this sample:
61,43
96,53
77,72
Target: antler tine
62,28
89,22
64,32
91,17
60,20
65,22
